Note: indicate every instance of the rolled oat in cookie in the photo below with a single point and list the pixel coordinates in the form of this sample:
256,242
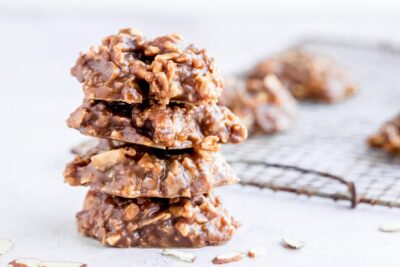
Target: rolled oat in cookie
155,222
136,171
174,126
128,67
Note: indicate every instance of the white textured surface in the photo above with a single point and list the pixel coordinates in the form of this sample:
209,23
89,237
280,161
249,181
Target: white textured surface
37,208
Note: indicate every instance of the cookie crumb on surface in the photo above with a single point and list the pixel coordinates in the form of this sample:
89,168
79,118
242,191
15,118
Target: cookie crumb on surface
227,257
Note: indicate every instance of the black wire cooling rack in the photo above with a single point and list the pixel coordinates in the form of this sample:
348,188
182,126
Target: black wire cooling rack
325,154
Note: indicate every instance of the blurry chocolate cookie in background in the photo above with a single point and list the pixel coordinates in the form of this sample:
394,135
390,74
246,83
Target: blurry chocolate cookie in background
308,76
263,105
388,137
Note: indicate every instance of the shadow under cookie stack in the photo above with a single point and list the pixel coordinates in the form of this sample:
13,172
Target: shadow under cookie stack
151,105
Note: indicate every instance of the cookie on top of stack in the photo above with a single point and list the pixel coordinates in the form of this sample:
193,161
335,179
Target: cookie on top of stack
152,104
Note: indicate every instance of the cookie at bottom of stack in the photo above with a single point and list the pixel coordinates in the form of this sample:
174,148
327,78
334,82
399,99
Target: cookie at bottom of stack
155,222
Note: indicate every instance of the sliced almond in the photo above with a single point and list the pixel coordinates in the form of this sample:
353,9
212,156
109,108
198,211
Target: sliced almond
33,262
227,257
5,246
106,160
180,255
256,251
25,262
390,227
62,264
292,243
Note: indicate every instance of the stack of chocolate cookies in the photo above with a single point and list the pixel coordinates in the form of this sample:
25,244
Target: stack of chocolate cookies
151,104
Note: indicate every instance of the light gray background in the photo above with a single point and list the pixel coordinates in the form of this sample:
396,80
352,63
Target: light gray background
40,41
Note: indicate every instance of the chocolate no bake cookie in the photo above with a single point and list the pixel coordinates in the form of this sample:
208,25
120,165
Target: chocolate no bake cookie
132,171
174,126
129,68
263,105
388,138
308,76
155,222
